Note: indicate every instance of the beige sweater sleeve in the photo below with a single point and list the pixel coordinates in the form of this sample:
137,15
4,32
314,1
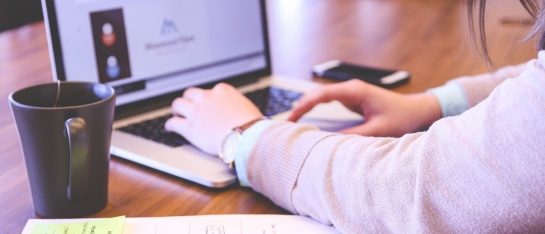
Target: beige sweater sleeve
480,172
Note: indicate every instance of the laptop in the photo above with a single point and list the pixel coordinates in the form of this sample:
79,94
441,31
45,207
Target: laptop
150,51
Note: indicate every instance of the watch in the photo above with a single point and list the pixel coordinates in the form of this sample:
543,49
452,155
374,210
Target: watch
229,144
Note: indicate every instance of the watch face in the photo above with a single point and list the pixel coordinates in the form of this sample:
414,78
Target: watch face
230,146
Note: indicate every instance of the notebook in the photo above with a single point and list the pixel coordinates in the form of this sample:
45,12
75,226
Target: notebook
152,50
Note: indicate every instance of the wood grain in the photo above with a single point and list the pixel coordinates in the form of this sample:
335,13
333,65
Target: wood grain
426,37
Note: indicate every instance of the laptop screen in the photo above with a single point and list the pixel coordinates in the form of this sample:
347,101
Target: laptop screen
147,48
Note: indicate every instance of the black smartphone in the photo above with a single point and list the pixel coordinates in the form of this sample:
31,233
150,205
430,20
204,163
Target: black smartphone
338,70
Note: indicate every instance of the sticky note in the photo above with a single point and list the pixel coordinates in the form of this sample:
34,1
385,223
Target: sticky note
103,226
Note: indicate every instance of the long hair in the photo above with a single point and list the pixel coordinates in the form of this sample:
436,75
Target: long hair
534,7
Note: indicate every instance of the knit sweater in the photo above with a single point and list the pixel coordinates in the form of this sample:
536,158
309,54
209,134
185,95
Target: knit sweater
482,171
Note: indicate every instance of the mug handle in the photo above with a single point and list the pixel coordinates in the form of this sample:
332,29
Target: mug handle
78,143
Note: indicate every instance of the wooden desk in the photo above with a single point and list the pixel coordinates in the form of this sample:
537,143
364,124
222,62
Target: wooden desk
427,38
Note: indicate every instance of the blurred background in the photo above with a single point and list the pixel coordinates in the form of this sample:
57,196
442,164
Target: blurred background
428,38
15,13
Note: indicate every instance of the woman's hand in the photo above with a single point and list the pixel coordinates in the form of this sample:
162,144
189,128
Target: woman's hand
204,117
386,113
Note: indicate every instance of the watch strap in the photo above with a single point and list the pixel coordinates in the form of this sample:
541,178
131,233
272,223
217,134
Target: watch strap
245,126
237,130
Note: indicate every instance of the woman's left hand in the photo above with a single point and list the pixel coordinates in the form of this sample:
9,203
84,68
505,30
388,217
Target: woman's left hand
204,117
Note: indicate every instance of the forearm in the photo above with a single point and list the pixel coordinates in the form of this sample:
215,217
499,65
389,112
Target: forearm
477,88
460,94
273,165
465,174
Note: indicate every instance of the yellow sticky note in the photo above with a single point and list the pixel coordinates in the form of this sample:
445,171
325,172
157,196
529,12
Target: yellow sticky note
103,226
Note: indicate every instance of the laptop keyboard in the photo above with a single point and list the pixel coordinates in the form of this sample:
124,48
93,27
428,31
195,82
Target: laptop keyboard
154,129
270,101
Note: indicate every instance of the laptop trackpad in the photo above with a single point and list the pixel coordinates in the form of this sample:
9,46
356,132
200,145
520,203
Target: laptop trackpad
332,117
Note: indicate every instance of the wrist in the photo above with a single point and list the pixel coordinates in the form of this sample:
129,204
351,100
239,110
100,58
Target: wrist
249,139
451,98
428,109
230,143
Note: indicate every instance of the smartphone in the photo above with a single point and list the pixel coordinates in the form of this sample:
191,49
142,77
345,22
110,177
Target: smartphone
338,70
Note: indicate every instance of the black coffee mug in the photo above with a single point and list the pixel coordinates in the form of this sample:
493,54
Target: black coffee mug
65,131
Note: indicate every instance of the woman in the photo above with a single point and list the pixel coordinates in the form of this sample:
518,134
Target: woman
478,168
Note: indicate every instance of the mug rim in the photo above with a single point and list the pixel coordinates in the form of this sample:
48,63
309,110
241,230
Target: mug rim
12,101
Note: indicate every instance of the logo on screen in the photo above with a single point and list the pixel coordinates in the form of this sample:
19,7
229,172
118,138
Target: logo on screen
112,68
108,34
168,27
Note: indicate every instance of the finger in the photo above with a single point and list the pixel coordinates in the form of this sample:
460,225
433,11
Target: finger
349,93
194,94
309,100
299,110
223,87
183,107
178,125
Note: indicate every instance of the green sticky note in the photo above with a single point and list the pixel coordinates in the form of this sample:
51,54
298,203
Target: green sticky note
103,226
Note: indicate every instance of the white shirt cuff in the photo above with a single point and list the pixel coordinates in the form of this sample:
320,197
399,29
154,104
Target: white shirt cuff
245,145
452,99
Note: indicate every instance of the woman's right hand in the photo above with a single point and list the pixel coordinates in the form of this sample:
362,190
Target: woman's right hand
386,113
